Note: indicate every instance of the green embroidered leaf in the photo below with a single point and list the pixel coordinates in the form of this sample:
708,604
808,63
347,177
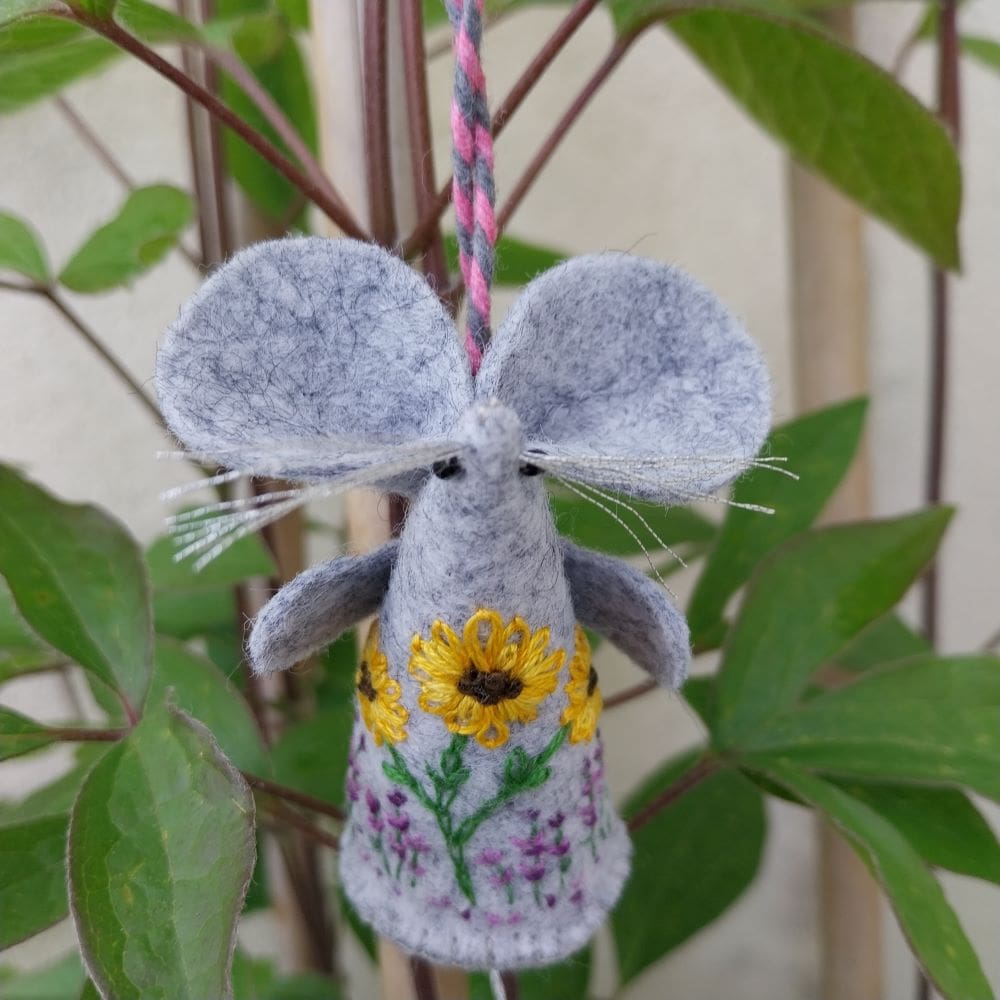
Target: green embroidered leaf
161,847
32,877
21,250
928,719
929,923
78,580
840,115
819,447
804,604
696,857
145,228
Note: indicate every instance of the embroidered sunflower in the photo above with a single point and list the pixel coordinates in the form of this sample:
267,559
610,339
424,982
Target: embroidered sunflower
495,674
378,693
585,701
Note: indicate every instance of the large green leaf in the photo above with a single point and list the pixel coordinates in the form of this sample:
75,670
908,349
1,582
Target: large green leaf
62,980
884,641
696,857
807,601
20,650
929,923
283,76
840,115
566,981
930,719
13,9
29,76
161,847
819,448
984,50
153,23
201,690
590,526
32,877
257,979
21,250
19,734
311,756
78,580
145,228
517,261
189,603
55,799
38,32
942,824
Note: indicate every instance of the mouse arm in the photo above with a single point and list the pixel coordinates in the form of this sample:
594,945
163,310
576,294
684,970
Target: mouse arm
311,611
634,612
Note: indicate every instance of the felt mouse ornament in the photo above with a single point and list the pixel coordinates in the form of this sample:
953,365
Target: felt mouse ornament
480,832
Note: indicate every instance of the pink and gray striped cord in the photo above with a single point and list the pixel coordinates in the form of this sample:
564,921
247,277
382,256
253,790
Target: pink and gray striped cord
473,189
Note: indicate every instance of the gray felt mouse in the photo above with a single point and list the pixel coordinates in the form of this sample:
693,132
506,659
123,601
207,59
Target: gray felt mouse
481,832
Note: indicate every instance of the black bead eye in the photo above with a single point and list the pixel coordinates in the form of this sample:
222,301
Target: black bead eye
448,468
528,469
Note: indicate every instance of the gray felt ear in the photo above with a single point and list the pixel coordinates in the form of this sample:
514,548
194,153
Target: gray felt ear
299,353
631,610
311,611
635,370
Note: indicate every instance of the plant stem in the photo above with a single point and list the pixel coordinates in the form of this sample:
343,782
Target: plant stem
630,694
703,769
91,139
68,734
949,109
336,211
291,818
381,207
433,263
292,795
423,979
510,985
429,221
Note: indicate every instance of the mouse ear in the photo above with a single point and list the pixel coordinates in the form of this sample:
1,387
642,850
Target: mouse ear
628,374
312,358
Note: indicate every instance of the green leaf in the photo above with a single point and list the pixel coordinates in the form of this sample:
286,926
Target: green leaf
78,580
929,923
933,720
20,650
311,756
256,979
361,930
517,261
29,76
566,981
841,116
153,23
884,641
32,877
146,227
19,734
20,249
588,525
807,600
10,10
161,847
701,693
942,825
62,980
985,51
696,856
284,77
819,448
55,799
187,603
37,32
204,693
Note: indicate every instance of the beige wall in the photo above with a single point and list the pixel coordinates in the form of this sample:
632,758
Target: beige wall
662,163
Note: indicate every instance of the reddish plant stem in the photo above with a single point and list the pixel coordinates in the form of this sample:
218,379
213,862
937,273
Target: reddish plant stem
91,139
703,769
423,979
381,207
949,109
292,795
565,123
433,262
333,209
429,221
630,694
65,734
289,817
510,985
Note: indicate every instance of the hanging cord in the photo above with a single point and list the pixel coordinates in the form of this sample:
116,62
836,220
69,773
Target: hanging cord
473,187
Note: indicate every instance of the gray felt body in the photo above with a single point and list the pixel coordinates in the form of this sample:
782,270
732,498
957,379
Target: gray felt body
319,358
307,614
634,612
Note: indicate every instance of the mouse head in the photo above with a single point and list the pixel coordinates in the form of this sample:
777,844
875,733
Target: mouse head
333,362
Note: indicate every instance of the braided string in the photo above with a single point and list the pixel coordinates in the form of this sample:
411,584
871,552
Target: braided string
473,188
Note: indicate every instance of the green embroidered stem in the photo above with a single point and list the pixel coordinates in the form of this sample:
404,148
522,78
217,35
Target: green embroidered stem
521,773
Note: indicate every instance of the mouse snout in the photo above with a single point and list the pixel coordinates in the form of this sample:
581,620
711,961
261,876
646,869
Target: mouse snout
493,437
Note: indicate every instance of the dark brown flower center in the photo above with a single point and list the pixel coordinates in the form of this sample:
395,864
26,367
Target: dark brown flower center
591,682
489,687
365,685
